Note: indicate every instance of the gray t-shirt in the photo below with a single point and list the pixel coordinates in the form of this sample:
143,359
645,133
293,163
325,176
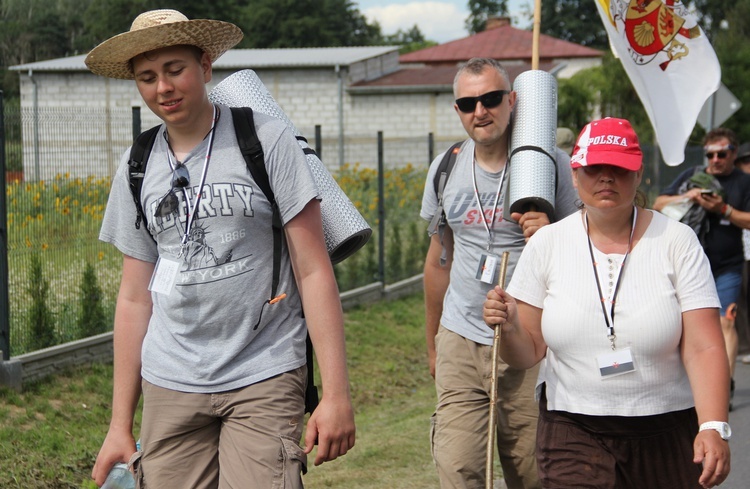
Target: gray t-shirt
201,337
462,306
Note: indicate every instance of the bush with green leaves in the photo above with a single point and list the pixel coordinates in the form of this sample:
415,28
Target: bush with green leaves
41,321
92,319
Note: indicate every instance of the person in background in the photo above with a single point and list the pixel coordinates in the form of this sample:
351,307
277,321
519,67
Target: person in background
565,139
619,304
223,385
742,322
723,193
458,343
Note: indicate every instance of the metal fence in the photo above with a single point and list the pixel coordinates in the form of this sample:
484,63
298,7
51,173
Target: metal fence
59,164
56,186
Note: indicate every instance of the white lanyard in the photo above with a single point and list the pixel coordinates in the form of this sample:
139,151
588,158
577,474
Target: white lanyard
191,213
489,226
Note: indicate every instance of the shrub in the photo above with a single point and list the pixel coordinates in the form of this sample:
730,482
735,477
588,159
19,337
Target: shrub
394,255
92,319
41,322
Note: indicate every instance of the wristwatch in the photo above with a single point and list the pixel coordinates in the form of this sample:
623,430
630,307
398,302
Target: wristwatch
723,428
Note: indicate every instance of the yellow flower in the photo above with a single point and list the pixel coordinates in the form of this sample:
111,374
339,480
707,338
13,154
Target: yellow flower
28,242
101,255
45,246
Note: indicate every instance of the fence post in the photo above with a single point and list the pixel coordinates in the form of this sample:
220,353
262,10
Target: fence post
136,122
318,141
430,148
4,303
381,212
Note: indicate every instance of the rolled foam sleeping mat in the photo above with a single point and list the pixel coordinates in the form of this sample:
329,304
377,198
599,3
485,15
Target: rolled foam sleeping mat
531,184
344,228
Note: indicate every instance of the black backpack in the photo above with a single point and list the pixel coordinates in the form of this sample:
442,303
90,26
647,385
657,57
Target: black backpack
438,222
252,152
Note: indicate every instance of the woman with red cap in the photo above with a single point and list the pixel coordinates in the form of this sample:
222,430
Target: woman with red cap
619,304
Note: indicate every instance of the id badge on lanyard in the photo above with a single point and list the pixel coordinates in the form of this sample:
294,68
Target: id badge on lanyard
488,262
618,361
165,275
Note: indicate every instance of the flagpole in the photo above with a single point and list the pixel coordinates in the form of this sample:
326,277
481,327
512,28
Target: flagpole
537,28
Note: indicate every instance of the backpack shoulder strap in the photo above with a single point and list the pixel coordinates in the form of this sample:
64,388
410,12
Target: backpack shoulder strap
139,154
445,167
438,222
252,152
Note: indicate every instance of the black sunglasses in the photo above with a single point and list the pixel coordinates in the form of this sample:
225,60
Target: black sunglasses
170,203
721,154
489,100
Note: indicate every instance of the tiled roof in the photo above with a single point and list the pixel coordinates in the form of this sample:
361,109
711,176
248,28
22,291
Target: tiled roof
502,43
439,76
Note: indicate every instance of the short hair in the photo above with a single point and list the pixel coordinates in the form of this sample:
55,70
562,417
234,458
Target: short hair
476,66
721,133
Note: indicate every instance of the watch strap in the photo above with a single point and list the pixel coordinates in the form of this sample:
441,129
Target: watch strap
721,427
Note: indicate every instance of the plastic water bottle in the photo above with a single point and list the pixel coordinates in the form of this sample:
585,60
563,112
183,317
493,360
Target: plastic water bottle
119,478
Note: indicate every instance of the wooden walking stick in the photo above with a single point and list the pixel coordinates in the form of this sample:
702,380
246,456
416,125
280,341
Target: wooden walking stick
493,386
536,30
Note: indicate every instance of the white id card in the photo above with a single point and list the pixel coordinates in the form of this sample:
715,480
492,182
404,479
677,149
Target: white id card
165,275
615,363
486,268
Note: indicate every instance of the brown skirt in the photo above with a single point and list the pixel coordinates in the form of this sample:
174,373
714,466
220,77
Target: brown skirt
578,451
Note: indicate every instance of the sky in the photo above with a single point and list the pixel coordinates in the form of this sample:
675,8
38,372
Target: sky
439,20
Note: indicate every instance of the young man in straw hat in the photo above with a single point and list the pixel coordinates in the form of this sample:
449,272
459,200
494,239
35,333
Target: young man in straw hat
221,368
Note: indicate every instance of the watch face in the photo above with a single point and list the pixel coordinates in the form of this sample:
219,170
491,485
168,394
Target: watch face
726,431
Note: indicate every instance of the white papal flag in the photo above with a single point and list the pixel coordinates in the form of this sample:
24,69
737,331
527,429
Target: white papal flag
669,61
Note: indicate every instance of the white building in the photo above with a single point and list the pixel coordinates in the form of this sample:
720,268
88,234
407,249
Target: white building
352,93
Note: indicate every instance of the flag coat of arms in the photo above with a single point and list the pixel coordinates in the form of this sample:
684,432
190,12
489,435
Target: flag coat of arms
669,61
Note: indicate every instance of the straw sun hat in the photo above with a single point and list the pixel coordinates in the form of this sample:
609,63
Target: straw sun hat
157,29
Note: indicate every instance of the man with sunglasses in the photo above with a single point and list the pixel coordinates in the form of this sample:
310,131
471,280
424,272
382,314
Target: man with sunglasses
220,366
725,200
460,267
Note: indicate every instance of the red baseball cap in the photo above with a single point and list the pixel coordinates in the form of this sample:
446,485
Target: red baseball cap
608,141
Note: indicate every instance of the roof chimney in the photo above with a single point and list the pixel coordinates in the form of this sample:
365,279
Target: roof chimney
495,22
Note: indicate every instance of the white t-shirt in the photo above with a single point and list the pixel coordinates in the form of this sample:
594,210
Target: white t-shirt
200,337
666,274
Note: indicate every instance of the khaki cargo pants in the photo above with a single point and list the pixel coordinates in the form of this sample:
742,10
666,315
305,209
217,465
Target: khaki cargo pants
461,419
247,437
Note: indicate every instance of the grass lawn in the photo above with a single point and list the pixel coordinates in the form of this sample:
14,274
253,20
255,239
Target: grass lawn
50,433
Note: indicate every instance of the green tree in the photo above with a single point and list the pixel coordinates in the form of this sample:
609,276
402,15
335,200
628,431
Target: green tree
713,14
306,23
732,47
481,10
41,323
575,101
576,21
92,319
409,40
